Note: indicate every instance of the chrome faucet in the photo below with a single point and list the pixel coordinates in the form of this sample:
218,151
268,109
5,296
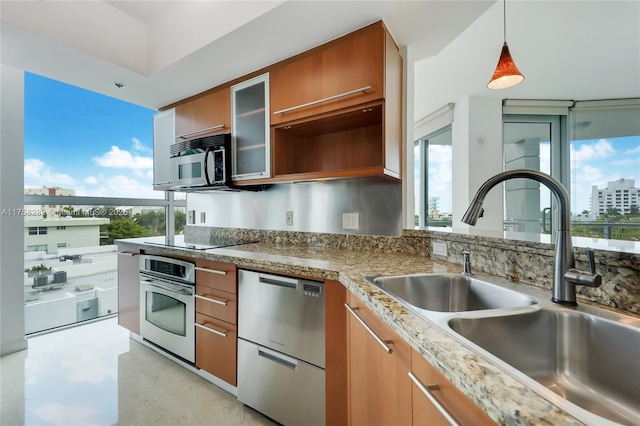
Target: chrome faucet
565,277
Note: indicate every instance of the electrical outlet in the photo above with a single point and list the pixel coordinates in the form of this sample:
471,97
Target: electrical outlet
203,217
439,249
191,217
289,218
350,221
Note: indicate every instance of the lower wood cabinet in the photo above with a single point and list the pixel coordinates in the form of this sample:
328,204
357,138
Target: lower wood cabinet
217,319
216,347
436,400
379,362
388,381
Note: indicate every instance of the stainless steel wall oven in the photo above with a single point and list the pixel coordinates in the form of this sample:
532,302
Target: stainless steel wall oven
167,304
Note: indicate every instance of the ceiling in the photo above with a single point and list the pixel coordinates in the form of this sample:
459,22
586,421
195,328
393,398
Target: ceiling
164,51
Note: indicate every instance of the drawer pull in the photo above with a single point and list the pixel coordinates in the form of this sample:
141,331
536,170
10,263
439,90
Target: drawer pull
184,136
382,343
212,299
426,390
319,101
208,327
244,175
211,271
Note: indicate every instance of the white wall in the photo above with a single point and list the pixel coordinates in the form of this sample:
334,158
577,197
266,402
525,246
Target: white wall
11,227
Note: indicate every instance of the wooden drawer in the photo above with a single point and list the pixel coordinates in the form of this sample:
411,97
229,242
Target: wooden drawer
216,347
217,304
218,275
457,404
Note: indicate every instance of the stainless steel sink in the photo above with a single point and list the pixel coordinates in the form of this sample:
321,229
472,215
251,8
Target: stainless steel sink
450,292
590,361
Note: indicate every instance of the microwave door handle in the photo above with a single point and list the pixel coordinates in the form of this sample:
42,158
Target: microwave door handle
206,165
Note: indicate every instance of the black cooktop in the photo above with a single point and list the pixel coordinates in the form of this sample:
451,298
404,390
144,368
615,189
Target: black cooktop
212,244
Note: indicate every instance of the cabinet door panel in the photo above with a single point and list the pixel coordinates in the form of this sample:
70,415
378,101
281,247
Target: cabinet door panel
217,275
216,347
457,404
207,111
379,385
129,291
163,137
217,304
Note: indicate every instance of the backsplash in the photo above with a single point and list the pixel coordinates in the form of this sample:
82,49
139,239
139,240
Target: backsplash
314,206
519,261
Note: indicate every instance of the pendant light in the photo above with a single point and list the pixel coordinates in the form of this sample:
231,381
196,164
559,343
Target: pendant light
507,73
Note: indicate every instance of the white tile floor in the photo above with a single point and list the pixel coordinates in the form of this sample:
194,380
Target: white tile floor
95,374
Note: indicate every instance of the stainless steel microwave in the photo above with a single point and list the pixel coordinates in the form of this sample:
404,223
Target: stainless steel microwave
202,163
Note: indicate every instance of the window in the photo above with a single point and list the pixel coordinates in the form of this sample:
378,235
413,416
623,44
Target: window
433,166
59,228
61,245
37,247
37,230
593,148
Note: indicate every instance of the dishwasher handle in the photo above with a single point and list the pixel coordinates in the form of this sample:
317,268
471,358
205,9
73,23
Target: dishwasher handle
285,361
278,281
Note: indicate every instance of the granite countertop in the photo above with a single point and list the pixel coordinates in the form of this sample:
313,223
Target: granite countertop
505,399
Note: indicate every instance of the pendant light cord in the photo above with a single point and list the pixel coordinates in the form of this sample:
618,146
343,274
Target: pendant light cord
504,20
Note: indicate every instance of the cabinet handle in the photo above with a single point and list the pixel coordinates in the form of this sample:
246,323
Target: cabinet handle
319,101
161,183
212,299
184,136
426,390
382,343
211,329
211,271
247,175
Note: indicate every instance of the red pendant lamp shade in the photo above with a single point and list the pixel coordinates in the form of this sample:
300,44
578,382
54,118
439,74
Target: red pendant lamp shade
507,73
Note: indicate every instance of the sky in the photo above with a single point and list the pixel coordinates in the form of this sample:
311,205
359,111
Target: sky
77,139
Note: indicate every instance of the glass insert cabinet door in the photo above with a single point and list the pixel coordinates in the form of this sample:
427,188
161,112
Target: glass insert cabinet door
250,129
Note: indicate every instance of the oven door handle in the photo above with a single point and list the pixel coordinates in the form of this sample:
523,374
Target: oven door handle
181,291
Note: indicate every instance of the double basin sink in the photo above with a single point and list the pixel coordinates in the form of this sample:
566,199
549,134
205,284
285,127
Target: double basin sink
591,360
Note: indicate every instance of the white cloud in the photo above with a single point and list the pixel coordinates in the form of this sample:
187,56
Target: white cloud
91,180
120,186
588,152
123,159
37,174
139,146
633,151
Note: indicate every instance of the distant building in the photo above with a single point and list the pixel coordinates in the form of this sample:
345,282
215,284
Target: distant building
52,210
51,234
620,194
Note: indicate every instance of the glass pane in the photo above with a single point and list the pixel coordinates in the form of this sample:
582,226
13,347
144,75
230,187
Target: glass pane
250,129
527,203
605,171
433,163
166,312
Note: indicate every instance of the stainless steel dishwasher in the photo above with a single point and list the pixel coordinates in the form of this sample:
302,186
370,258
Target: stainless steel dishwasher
281,332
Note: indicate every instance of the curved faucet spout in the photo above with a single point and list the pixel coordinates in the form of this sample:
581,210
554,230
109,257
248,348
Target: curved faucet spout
564,292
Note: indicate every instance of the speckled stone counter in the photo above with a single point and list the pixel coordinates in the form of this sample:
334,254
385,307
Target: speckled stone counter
504,398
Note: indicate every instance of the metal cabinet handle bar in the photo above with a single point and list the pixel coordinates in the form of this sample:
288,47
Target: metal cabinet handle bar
219,126
212,299
213,330
382,343
319,101
161,183
248,174
212,271
426,390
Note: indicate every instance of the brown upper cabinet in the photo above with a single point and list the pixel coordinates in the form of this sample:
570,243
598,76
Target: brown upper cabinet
336,110
204,115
